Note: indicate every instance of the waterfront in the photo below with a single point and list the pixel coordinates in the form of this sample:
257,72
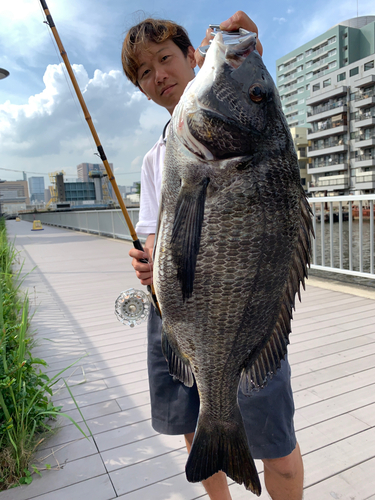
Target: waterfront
345,240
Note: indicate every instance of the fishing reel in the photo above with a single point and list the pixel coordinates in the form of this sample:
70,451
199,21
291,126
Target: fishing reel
229,37
132,307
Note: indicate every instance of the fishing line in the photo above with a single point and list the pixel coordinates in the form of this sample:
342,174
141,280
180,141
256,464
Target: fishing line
122,301
64,70
78,109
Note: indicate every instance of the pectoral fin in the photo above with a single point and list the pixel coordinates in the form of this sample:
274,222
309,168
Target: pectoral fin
186,233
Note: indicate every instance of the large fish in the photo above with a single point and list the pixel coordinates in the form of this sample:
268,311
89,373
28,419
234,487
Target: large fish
232,247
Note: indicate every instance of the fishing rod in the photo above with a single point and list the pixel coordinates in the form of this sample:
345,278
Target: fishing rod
131,306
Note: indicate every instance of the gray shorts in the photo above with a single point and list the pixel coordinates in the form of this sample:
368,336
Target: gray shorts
267,414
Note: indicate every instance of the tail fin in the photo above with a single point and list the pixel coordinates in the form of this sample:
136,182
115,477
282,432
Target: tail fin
222,446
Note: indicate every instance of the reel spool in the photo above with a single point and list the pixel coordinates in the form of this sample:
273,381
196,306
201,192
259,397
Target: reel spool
132,307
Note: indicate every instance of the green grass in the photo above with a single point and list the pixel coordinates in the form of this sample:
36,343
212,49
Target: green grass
25,391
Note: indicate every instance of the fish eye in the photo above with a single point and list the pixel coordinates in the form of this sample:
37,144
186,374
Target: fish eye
256,93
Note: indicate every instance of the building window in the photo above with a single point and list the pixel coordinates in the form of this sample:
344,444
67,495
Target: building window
332,53
369,65
308,86
281,67
300,79
309,75
345,61
331,40
354,71
316,87
345,35
301,101
332,64
308,64
300,68
345,47
326,83
300,90
341,77
299,57
308,52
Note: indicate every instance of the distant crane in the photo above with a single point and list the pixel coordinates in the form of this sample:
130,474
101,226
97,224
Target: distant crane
53,187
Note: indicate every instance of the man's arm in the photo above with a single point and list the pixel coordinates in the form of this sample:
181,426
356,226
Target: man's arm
143,270
238,20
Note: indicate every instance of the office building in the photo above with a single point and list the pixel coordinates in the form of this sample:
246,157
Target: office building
36,189
14,196
337,48
79,191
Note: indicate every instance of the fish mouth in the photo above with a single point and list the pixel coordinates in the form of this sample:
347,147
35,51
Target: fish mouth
191,113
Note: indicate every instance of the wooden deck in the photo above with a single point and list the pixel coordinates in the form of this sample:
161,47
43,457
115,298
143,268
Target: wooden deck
73,288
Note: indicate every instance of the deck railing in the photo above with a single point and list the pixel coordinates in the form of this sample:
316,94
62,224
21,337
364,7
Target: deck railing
343,225
344,234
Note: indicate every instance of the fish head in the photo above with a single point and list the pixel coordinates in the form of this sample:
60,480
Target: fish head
232,106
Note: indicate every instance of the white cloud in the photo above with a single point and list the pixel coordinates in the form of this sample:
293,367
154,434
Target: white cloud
49,129
280,20
290,11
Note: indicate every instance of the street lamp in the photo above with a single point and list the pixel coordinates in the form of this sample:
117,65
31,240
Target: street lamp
3,73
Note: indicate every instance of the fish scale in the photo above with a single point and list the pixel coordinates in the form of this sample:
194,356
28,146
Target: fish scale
232,247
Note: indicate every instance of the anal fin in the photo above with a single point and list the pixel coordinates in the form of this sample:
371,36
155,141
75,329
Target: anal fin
179,366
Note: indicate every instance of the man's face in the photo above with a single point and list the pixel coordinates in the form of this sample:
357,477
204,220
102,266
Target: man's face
164,72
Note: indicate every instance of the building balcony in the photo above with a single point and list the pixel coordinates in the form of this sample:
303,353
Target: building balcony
366,81
334,147
364,101
362,142
285,89
363,161
322,97
324,167
329,129
326,111
288,100
365,180
332,183
364,121
289,78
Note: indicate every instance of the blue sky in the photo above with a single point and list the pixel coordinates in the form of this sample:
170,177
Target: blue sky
41,126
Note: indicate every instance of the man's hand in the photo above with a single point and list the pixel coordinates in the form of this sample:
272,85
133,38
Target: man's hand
238,20
143,270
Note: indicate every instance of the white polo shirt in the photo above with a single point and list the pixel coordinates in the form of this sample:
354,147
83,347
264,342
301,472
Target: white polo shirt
151,175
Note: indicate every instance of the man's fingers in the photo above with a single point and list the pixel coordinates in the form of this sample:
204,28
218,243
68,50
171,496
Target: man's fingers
242,20
206,41
239,20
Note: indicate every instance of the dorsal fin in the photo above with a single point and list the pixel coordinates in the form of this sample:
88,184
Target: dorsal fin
268,361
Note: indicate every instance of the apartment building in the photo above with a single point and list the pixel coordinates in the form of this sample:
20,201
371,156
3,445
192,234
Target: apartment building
341,152
299,135
340,46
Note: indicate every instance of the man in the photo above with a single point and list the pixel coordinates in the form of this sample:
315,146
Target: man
158,57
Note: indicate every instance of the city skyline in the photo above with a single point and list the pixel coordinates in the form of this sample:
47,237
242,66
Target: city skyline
43,130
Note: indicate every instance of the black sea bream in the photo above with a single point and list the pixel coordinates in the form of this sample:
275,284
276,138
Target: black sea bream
232,247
